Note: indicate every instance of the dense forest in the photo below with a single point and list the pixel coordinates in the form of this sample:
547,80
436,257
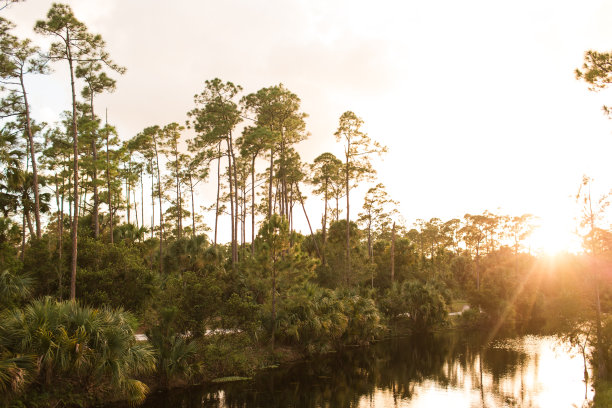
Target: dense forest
101,239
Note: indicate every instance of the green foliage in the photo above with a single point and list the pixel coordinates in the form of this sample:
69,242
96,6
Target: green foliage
13,289
364,323
113,275
241,313
313,318
229,354
9,239
197,295
508,294
333,274
423,305
177,353
77,347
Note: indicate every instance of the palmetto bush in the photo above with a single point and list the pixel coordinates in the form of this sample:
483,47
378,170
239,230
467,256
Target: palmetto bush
320,319
73,347
177,353
311,317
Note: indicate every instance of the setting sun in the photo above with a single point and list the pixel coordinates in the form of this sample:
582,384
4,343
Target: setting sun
551,237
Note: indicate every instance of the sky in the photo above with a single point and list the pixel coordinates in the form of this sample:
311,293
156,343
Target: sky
476,100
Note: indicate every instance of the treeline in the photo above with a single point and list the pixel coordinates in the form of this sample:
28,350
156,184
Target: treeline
83,271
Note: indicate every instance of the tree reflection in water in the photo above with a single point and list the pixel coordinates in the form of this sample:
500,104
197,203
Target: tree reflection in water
455,368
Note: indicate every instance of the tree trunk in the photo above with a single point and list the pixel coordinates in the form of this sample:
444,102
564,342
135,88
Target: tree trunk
127,194
393,253
370,238
23,230
161,212
179,205
135,206
253,206
236,196
314,239
75,152
271,181
193,227
348,229
231,198
108,185
243,220
60,209
32,158
152,198
142,197
94,178
324,226
218,191
29,220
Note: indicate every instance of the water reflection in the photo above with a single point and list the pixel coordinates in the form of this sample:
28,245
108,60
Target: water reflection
431,371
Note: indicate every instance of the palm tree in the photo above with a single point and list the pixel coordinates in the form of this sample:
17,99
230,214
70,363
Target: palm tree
77,346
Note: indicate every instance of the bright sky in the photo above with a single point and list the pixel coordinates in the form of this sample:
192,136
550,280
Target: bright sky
476,100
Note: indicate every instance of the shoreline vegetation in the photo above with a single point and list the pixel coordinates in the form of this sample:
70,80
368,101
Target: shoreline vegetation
83,266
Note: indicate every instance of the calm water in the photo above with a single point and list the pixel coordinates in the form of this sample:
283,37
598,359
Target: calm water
448,370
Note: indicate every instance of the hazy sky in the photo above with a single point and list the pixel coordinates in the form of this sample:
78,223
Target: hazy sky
476,100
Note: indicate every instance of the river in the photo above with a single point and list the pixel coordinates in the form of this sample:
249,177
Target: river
443,370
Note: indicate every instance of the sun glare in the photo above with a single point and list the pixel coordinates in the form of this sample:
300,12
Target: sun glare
551,238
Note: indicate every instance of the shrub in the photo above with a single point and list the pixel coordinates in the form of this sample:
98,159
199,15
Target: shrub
76,348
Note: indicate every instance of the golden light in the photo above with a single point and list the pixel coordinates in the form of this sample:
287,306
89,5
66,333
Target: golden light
553,236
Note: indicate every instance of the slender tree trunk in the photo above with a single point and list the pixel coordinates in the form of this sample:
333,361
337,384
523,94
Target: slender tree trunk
161,212
231,198
75,152
59,234
236,196
142,197
393,253
243,218
348,228
324,226
276,197
29,220
179,204
28,125
218,191
96,198
23,229
291,211
370,237
108,185
314,238
270,184
152,199
24,197
127,194
193,226
253,206
61,242
82,195
135,205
